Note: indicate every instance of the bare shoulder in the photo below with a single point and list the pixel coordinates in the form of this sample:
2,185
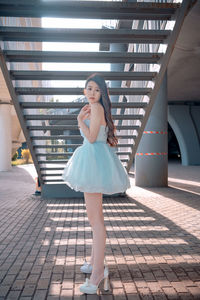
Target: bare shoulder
97,107
97,113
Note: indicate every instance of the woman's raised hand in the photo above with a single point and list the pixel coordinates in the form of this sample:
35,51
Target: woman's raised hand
84,112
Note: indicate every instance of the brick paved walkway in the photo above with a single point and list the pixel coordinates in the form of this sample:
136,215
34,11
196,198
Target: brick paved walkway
153,241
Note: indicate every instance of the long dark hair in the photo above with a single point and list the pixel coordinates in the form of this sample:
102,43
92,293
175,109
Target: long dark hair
106,103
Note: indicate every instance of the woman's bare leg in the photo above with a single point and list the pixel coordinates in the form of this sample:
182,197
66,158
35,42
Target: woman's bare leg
94,209
92,256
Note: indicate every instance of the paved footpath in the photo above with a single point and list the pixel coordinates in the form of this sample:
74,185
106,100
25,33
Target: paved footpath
153,240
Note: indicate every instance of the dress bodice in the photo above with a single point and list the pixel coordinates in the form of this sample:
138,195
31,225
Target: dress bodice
102,134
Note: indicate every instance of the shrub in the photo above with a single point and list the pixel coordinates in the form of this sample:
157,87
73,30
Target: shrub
15,156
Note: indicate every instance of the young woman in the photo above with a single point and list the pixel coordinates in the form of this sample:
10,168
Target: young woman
95,169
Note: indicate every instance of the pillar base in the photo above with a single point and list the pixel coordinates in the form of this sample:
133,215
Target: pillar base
157,165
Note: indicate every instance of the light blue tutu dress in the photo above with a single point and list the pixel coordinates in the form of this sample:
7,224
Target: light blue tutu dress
95,167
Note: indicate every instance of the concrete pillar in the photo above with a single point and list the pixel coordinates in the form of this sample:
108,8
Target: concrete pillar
151,161
5,137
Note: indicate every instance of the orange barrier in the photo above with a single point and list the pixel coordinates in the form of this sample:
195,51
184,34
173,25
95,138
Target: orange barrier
155,132
152,153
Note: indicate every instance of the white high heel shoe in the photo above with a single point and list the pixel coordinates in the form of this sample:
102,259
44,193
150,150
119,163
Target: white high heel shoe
89,288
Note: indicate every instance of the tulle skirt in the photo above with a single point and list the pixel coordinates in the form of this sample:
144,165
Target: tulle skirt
96,168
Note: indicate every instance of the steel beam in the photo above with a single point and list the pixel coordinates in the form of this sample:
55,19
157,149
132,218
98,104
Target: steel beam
81,57
87,9
70,153
33,105
54,154
74,137
37,34
74,117
75,127
74,146
51,169
79,91
52,175
79,75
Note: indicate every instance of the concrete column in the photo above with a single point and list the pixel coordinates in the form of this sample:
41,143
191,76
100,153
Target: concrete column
151,161
5,137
